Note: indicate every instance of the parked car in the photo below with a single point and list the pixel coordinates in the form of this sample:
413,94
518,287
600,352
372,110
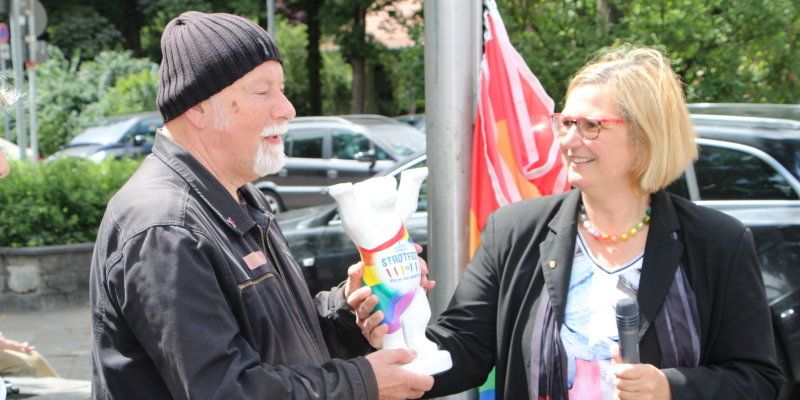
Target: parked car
778,137
322,151
115,137
739,179
780,111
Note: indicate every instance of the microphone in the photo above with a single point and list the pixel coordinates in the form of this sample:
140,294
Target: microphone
628,327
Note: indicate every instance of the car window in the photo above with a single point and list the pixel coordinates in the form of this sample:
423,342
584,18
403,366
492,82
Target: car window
145,128
149,126
728,174
680,187
345,145
304,143
380,154
398,139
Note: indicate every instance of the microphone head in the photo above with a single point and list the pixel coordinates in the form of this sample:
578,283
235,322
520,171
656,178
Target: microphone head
627,314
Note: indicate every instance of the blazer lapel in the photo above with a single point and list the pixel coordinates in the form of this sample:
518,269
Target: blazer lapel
662,255
557,252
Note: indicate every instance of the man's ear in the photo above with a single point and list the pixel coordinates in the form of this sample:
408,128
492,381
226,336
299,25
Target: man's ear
199,115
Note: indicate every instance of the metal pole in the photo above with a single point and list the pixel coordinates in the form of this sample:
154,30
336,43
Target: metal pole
271,19
453,30
19,75
31,38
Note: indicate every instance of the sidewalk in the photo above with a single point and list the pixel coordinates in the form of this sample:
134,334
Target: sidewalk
62,336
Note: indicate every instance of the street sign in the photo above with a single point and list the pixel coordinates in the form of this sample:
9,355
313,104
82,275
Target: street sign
4,33
36,9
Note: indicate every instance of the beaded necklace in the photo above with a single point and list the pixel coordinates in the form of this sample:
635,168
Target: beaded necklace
604,237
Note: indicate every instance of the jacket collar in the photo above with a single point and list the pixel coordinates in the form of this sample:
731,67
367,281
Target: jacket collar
663,251
558,250
662,255
207,188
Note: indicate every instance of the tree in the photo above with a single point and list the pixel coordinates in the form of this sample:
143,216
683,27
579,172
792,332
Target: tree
307,12
406,66
83,31
346,19
724,50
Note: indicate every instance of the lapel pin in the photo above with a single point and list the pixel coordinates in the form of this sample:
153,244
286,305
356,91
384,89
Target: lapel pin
552,264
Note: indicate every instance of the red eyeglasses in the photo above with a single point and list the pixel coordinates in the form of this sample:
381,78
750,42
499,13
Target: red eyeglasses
588,128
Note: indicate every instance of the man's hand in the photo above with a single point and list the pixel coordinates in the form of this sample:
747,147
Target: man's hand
639,381
394,382
8,344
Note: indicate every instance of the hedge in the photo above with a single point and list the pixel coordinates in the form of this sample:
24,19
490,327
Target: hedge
58,202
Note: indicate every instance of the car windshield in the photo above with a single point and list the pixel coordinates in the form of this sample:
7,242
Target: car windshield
109,133
398,139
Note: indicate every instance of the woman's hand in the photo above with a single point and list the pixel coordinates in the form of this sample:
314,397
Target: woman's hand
8,344
424,282
362,302
639,381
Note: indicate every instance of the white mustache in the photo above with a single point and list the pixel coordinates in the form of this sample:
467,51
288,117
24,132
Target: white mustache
276,129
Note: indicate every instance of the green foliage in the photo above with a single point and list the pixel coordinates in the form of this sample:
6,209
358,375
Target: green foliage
292,43
337,78
157,13
61,202
132,93
725,50
336,74
83,32
406,69
68,90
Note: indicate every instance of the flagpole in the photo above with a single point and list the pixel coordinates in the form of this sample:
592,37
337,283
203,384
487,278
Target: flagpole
453,41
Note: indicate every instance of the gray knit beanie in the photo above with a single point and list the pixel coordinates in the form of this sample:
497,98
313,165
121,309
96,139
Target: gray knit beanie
205,53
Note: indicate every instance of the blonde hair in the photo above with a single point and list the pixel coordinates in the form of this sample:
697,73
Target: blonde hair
649,96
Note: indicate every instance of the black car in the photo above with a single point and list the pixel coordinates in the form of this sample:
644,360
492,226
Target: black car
763,110
778,137
129,135
738,179
323,151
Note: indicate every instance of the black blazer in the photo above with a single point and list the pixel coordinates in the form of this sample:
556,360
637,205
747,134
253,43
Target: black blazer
526,252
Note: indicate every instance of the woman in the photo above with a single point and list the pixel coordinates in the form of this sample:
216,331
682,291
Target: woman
537,301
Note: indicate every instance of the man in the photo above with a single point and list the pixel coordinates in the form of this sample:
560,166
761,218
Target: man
194,292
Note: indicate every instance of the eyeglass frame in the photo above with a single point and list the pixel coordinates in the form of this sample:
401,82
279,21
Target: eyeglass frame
554,122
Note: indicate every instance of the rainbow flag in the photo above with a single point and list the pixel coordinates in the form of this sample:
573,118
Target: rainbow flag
515,154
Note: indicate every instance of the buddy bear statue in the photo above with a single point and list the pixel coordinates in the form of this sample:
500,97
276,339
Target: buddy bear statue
373,213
